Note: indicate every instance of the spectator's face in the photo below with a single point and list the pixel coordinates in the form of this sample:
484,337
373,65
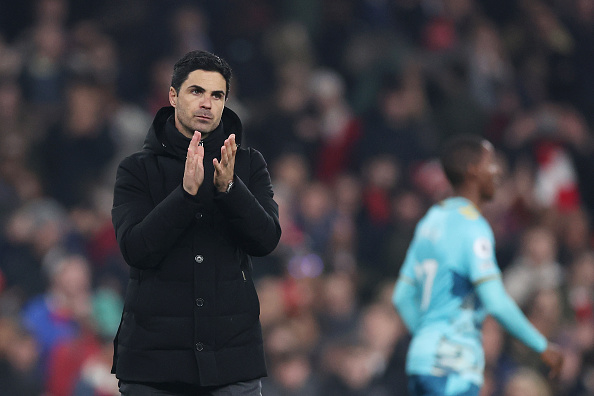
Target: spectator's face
199,103
85,110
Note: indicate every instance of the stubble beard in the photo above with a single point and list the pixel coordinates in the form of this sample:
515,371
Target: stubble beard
188,130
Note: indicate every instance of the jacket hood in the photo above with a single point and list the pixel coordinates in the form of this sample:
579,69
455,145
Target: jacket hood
156,139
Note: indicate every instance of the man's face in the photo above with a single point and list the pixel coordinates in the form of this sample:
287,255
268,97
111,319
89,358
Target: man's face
199,103
489,172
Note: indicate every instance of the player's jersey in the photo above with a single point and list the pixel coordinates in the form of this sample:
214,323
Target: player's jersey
452,250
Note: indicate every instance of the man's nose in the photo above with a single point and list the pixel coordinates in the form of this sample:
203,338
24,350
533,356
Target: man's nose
206,102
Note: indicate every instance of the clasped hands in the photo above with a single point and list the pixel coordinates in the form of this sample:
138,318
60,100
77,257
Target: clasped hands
194,169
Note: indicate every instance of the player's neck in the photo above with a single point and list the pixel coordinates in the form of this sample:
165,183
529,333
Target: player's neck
471,195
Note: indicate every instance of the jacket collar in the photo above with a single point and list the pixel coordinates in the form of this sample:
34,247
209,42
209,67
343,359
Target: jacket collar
164,139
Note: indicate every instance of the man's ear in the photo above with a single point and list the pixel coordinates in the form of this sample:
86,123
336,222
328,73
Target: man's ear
172,96
472,171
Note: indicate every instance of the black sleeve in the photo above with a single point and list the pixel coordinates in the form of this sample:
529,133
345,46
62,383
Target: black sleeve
251,209
145,232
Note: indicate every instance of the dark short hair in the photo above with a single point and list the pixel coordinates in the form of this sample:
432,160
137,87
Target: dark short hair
199,60
458,153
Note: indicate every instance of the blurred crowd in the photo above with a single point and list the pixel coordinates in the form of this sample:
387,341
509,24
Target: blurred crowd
349,101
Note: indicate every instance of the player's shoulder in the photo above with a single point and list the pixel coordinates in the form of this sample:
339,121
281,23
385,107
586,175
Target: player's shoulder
132,160
465,217
461,209
137,163
469,213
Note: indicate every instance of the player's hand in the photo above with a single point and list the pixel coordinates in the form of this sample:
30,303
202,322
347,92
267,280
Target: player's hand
225,169
553,357
194,170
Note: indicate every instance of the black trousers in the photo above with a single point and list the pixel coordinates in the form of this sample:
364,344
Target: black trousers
247,388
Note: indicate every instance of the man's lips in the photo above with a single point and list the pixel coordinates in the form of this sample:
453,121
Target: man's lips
203,116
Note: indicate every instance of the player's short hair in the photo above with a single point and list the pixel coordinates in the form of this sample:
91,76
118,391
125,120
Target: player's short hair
200,60
458,153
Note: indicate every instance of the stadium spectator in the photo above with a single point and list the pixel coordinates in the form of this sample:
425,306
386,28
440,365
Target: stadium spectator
535,268
60,313
84,136
19,358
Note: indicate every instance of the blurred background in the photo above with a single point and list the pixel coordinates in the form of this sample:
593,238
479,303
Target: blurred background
348,100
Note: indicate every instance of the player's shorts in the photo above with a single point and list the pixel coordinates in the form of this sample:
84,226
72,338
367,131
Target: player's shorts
450,385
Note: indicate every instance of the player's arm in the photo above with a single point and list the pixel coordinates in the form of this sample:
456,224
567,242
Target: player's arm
405,300
500,305
486,277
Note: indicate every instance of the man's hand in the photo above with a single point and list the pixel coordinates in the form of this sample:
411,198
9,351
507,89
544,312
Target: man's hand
194,170
553,357
224,170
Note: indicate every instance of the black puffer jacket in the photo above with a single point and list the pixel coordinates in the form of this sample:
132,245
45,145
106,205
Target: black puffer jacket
191,311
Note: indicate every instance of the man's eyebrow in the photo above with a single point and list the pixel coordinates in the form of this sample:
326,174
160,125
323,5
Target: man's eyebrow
199,88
